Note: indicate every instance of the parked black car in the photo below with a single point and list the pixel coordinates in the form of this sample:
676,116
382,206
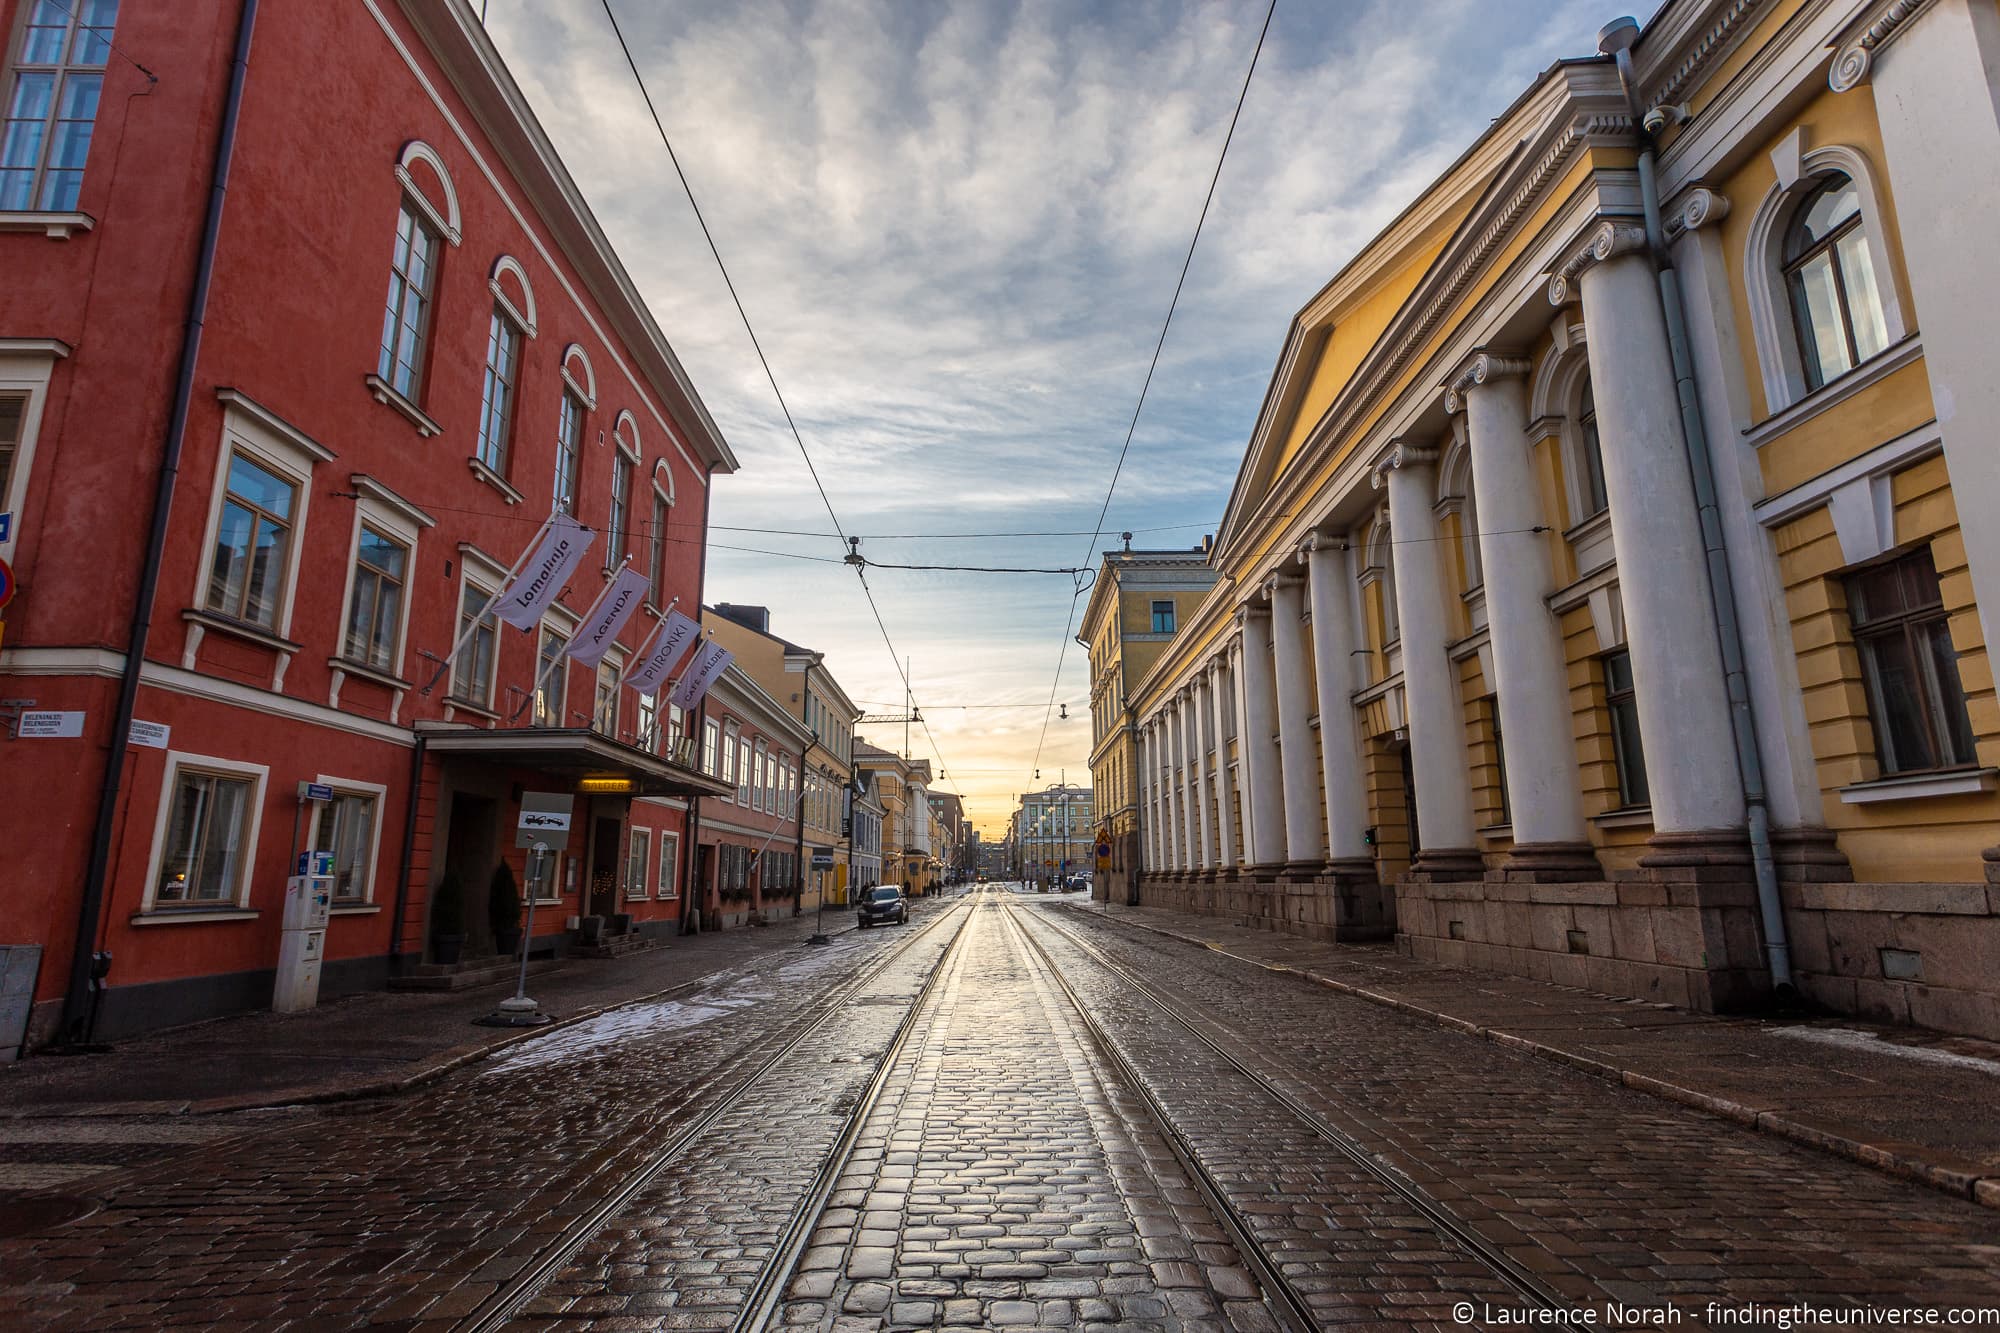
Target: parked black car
882,904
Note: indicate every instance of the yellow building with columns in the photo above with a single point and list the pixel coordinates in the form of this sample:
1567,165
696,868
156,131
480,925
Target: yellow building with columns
1592,601
1136,607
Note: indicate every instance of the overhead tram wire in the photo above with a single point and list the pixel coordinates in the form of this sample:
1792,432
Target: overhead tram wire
1062,650
769,374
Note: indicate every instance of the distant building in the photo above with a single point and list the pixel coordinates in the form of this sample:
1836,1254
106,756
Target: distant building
1140,601
1055,832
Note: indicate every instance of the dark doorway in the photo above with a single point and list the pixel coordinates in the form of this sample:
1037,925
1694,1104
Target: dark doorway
470,852
606,848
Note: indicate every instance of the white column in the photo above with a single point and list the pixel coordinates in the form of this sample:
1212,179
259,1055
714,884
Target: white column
1530,670
1334,641
1304,847
1198,701
1258,739
1144,796
1430,680
1670,630
1936,80
1218,696
1184,715
1177,781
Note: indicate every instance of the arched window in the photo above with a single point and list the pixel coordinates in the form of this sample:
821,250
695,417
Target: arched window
1836,303
426,220
1589,457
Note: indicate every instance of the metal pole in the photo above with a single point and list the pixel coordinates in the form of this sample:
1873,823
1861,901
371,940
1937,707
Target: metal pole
518,1011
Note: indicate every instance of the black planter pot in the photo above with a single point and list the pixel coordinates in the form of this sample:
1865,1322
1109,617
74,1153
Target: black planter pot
446,948
621,923
507,943
590,929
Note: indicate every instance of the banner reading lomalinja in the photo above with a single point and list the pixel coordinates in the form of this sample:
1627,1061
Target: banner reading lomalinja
620,600
523,601
653,669
708,663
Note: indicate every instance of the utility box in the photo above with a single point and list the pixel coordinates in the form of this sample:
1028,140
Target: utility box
302,945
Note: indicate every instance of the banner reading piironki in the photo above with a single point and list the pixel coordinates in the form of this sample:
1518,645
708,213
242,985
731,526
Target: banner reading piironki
652,670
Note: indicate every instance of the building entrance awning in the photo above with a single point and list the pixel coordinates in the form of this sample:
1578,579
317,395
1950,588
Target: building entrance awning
594,761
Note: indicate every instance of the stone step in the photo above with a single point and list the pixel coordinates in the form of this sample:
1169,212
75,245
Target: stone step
614,946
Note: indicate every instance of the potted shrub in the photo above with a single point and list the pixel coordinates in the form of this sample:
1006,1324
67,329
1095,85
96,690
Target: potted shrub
503,911
447,919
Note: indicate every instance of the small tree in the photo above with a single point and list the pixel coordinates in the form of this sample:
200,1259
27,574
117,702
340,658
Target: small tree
448,906
503,903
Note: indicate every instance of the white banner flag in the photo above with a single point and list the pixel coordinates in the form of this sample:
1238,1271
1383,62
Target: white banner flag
534,589
668,645
594,640
702,670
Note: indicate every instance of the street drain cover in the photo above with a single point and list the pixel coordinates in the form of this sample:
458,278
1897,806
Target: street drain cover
27,1217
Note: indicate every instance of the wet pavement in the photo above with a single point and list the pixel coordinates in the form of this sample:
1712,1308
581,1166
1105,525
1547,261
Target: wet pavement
1014,1114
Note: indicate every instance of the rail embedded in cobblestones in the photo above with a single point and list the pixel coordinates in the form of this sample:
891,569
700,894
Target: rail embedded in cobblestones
767,1294
1286,1302
497,1309
1535,1293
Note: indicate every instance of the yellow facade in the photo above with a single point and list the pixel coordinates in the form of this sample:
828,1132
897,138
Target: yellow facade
1473,352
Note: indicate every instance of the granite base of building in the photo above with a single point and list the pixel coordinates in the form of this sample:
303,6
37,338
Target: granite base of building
1924,954
1336,902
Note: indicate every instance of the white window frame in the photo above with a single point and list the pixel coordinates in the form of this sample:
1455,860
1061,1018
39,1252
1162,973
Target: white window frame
26,366
555,620
177,762
669,878
276,445
584,384
390,514
1779,359
625,464
635,891
488,582
613,666
379,793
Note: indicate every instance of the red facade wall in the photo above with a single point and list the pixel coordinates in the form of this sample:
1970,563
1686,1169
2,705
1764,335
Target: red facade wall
334,94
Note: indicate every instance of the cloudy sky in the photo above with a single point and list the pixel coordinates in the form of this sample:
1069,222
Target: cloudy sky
956,228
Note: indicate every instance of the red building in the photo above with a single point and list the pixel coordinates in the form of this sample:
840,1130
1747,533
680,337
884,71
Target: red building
305,330
748,841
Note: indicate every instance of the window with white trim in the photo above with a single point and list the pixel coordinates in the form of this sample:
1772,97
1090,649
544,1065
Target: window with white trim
1590,491
1836,300
710,739
658,561
649,738
13,428
472,670
670,865
757,788
375,603
621,544
743,788
569,451
551,677
406,318
206,834
638,864
604,706
496,400
346,827
1915,699
252,548
58,75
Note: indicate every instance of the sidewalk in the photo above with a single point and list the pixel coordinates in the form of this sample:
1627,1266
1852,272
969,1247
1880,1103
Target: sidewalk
1919,1104
368,1044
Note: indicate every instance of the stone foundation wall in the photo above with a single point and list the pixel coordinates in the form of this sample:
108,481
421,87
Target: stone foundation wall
1322,909
1927,954
1654,936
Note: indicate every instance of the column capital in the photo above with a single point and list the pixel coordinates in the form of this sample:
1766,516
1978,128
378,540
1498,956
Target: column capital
1862,41
1607,239
1282,578
1401,454
1696,208
1249,611
1482,367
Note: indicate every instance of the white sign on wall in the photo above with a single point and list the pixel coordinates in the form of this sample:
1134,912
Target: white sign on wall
48,725
151,734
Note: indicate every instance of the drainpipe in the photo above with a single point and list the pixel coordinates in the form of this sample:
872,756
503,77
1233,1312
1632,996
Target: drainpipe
1616,40
78,1016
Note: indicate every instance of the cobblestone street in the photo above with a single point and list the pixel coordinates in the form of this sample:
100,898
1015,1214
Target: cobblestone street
1013,1113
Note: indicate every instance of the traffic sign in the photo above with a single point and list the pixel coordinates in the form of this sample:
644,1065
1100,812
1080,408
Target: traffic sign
822,861
7,583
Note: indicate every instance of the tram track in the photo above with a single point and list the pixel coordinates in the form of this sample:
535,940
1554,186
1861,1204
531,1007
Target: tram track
499,1307
1297,1309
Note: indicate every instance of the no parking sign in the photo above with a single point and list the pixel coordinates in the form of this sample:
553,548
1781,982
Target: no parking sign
7,583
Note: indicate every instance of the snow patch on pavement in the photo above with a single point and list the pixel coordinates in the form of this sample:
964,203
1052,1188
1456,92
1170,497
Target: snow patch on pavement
1857,1040
636,1022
